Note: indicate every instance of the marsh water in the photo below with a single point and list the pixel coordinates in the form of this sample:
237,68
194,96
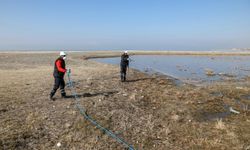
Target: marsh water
196,69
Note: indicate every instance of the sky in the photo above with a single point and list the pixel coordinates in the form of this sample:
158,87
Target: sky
124,24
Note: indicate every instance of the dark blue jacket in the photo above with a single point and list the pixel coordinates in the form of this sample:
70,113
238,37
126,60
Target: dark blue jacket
124,61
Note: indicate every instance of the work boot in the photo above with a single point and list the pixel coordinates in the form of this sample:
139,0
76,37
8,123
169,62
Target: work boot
51,97
63,95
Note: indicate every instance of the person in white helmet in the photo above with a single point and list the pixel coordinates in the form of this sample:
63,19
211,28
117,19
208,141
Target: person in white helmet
124,65
59,71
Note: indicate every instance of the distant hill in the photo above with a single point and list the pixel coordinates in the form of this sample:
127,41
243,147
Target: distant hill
241,49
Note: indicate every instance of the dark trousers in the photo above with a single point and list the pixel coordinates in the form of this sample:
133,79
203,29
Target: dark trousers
123,73
59,82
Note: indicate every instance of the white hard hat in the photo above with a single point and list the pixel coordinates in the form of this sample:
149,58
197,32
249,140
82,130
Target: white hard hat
125,52
62,53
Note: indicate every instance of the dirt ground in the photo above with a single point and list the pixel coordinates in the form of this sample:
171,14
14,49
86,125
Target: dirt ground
148,111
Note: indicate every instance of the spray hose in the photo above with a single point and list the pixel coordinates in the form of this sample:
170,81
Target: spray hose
82,111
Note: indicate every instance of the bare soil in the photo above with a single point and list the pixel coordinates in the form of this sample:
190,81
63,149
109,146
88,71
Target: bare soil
148,111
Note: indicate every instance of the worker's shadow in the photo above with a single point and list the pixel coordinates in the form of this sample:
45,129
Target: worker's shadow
91,94
136,80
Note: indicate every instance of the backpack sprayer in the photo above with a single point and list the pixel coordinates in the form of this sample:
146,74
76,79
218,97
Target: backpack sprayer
89,118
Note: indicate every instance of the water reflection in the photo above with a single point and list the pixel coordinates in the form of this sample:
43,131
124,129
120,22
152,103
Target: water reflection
191,68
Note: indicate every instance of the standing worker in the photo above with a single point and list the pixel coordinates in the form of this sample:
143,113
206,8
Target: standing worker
124,65
59,71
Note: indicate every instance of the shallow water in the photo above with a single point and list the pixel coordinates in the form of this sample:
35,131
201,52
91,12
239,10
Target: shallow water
191,68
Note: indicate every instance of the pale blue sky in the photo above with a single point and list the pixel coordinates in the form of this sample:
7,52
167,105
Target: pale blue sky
124,24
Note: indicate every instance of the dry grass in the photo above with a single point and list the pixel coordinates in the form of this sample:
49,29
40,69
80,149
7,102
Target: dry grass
219,124
149,112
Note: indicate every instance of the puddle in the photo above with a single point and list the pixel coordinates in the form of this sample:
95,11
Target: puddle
212,116
190,68
209,116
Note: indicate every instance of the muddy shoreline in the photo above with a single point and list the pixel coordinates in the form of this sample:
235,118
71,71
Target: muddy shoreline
148,111
108,54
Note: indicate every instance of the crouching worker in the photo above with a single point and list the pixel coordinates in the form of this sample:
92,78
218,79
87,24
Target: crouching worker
124,65
59,71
